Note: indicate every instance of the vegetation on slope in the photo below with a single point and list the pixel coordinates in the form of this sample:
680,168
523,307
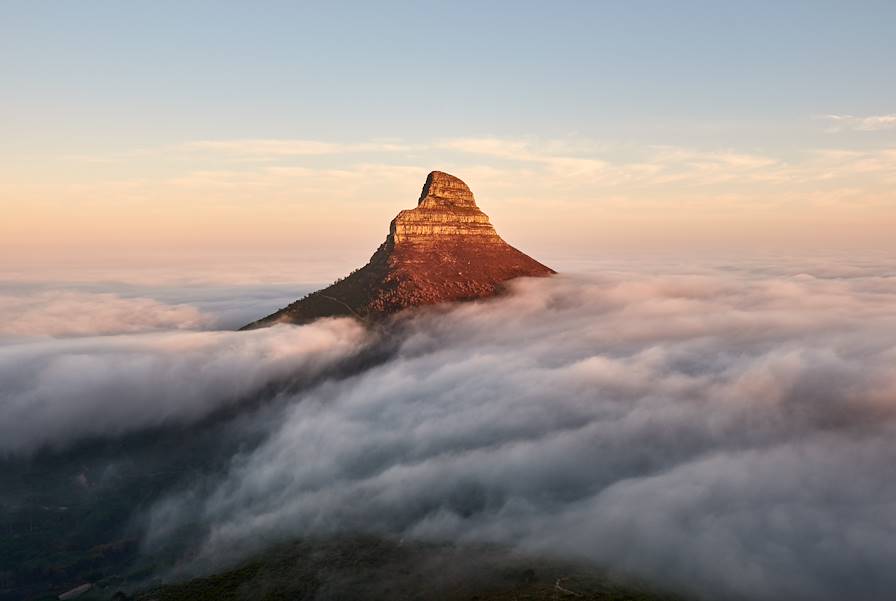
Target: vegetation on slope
367,569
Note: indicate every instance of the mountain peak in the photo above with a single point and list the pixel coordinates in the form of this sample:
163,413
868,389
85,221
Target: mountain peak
446,211
443,250
443,189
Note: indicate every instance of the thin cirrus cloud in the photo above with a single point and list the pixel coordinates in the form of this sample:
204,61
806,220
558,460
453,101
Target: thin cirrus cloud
535,168
573,158
272,148
560,162
273,193
854,123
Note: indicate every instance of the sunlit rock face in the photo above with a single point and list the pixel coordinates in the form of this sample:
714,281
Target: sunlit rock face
446,209
443,250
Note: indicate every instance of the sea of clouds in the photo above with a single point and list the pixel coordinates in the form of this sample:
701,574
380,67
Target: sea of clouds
728,430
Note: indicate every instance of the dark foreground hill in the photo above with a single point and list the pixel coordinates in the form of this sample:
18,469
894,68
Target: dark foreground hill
443,250
361,569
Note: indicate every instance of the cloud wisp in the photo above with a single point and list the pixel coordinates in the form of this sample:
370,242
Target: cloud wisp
267,148
869,123
728,433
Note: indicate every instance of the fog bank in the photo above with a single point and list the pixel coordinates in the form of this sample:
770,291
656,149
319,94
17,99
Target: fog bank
59,391
728,433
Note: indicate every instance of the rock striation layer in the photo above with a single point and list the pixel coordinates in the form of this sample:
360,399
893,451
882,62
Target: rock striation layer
445,249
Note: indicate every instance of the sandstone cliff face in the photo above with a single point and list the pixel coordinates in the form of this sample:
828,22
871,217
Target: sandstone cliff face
446,209
443,250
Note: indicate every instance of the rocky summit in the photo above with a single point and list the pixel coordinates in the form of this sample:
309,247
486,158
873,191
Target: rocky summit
443,250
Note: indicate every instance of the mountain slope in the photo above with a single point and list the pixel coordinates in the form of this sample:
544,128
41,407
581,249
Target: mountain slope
376,569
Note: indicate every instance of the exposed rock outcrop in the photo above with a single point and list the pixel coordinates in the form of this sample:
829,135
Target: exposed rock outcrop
443,250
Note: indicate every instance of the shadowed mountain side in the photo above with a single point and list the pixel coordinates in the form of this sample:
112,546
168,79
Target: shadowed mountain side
443,250
367,568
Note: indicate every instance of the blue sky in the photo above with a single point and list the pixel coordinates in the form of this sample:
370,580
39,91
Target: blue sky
633,70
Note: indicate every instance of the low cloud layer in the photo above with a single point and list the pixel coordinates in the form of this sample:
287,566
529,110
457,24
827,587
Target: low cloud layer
57,392
77,313
126,302
728,434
